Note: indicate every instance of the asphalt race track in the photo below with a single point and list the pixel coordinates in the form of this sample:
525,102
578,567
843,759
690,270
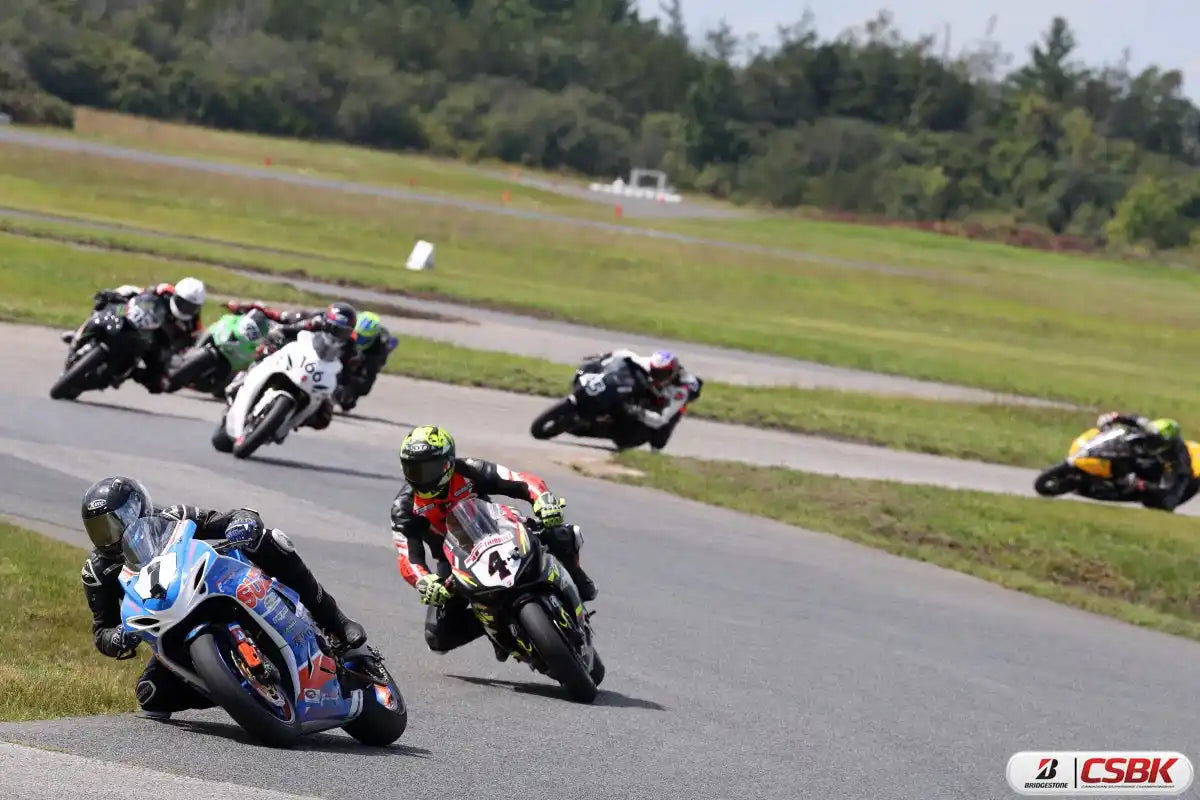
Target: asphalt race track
745,658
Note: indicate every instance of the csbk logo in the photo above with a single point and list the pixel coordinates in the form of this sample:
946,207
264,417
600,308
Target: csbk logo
1102,773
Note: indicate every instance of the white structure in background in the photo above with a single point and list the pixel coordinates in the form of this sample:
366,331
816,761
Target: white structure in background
661,191
421,256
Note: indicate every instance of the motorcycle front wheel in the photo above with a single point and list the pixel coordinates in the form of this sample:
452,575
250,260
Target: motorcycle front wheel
73,381
262,431
218,662
561,660
554,420
1057,480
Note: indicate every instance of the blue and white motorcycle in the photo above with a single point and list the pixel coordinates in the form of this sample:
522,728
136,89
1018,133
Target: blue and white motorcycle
245,641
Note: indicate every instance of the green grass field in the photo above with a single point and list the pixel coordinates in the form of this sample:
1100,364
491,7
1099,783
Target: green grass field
1137,565
1090,332
488,182
48,665
50,282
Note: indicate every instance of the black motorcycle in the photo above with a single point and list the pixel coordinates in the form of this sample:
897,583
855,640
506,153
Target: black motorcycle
110,345
599,406
521,594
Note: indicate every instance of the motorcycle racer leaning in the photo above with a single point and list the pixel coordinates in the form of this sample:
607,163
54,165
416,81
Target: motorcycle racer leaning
111,505
338,321
434,479
361,364
180,331
666,388
1176,483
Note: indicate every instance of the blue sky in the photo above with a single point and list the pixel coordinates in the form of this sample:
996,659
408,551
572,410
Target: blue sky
1163,32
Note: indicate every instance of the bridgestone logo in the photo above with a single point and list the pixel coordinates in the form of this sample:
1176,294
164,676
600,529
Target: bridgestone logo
1099,773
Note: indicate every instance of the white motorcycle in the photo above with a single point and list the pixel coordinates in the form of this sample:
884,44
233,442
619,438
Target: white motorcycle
279,393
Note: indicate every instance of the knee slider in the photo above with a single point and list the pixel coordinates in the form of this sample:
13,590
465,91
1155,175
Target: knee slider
145,691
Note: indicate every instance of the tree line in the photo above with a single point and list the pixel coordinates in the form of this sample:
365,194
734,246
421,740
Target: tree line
866,123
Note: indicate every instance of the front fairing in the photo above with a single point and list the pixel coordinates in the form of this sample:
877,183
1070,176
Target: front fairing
489,549
187,587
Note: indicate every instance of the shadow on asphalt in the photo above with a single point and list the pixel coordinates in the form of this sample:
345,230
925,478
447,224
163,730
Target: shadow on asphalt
354,415
313,743
606,697
355,473
132,410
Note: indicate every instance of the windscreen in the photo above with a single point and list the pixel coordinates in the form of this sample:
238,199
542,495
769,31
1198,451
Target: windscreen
472,520
145,539
145,312
1108,441
326,347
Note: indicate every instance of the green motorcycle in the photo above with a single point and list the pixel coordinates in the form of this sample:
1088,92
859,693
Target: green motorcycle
230,345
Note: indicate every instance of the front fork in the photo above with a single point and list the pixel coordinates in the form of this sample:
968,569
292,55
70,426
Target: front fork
260,668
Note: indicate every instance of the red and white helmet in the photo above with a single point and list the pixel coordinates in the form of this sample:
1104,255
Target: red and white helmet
188,298
663,367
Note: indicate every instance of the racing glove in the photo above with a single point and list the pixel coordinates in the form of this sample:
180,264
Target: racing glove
118,643
244,529
431,590
549,510
103,297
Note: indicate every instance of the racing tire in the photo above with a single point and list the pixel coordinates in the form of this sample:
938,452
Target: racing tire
1057,480
193,368
553,421
261,433
221,441
376,725
72,382
210,659
563,664
597,672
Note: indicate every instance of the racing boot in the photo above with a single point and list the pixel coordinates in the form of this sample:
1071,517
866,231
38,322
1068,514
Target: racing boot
585,585
565,542
325,612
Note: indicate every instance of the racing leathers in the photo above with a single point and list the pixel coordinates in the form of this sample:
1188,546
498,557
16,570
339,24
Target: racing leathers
657,409
1175,483
418,522
363,368
176,335
159,692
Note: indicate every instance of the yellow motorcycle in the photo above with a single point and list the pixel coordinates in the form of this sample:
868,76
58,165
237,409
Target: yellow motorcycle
1097,461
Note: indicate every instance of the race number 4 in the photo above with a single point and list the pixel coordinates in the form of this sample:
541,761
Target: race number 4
497,566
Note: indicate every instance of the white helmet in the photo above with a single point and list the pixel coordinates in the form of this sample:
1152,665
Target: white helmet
188,298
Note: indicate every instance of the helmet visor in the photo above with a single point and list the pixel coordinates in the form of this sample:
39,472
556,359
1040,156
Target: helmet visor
661,376
106,530
424,475
183,307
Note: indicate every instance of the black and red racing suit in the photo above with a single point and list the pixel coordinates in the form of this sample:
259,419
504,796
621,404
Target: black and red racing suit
419,522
